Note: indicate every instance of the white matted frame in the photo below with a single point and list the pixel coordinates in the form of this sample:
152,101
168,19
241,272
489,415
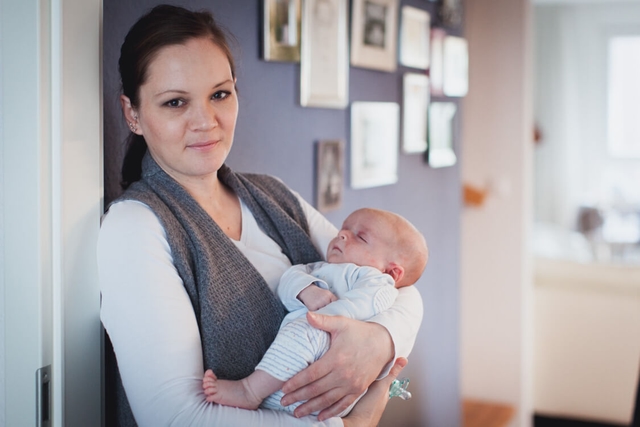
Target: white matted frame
374,144
440,152
414,37
329,174
414,113
324,62
455,66
281,30
374,34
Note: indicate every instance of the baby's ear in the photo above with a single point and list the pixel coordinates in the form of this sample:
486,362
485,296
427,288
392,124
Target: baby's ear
396,271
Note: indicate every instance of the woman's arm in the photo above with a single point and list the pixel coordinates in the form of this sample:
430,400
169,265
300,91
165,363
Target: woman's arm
369,409
152,326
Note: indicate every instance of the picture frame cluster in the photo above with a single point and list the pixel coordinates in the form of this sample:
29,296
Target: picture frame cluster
327,38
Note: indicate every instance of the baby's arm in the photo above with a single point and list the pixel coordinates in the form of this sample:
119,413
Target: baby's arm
314,297
297,280
363,292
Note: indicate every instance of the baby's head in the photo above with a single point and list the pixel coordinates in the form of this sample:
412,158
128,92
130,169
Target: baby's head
384,240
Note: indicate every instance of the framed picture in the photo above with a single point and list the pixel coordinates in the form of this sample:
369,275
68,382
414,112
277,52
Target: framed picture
414,113
451,13
324,62
414,37
329,174
455,66
374,143
281,30
436,72
373,34
440,152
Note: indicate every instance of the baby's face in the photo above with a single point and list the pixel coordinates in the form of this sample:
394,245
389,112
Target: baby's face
363,240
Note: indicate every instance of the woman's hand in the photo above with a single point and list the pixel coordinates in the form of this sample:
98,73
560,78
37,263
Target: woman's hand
369,409
358,353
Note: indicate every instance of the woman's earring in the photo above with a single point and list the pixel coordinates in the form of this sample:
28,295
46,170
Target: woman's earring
132,127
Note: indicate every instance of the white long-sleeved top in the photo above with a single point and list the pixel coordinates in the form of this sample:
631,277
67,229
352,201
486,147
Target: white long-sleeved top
150,321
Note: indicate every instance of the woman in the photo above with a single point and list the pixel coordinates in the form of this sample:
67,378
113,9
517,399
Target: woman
190,255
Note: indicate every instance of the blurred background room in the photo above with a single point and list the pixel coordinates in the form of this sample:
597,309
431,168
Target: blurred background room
550,270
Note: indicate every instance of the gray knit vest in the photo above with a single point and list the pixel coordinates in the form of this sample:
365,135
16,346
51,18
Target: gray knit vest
238,315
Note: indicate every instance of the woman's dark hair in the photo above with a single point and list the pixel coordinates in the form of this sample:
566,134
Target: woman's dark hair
163,26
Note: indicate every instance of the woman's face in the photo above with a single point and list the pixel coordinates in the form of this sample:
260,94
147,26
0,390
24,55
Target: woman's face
187,109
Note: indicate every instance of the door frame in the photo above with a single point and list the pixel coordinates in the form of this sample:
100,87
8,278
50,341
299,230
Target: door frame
51,201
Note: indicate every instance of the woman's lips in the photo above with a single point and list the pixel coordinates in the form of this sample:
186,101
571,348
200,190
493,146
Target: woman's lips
203,145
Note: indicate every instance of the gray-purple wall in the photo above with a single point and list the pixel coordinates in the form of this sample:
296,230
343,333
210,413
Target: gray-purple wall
276,135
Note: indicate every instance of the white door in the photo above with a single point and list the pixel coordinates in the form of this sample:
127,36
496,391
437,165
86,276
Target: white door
50,205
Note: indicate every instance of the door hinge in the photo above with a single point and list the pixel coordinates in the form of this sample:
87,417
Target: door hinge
43,397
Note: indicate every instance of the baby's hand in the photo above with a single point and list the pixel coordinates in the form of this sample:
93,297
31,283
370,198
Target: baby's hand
314,297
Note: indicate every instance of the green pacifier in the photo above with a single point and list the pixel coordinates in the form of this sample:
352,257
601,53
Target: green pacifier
399,389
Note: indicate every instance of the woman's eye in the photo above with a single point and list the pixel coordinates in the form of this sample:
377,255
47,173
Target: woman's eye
221,94
175,103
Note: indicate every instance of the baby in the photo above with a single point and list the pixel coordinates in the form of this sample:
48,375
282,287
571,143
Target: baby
374,254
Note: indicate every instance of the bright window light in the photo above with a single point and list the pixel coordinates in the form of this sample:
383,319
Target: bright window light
623,121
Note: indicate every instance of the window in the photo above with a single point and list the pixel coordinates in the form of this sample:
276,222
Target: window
623,121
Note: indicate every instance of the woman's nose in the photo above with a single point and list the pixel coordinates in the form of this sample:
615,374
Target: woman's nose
204,117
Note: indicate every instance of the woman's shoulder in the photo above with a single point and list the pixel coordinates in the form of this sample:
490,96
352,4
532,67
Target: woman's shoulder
128,210
128,219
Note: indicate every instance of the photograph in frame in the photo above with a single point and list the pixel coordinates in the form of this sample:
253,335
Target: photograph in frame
451,13
281,30
415,30
374,144
329,174
440,151
374,34
436,70
415,112
324,62
455,66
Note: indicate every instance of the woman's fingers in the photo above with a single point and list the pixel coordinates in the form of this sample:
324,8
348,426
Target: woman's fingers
329,324
397,367
337,407
304,384
314,389
329,404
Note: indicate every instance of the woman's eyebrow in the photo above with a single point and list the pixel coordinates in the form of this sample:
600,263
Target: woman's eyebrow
223,83
184,92
173,91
